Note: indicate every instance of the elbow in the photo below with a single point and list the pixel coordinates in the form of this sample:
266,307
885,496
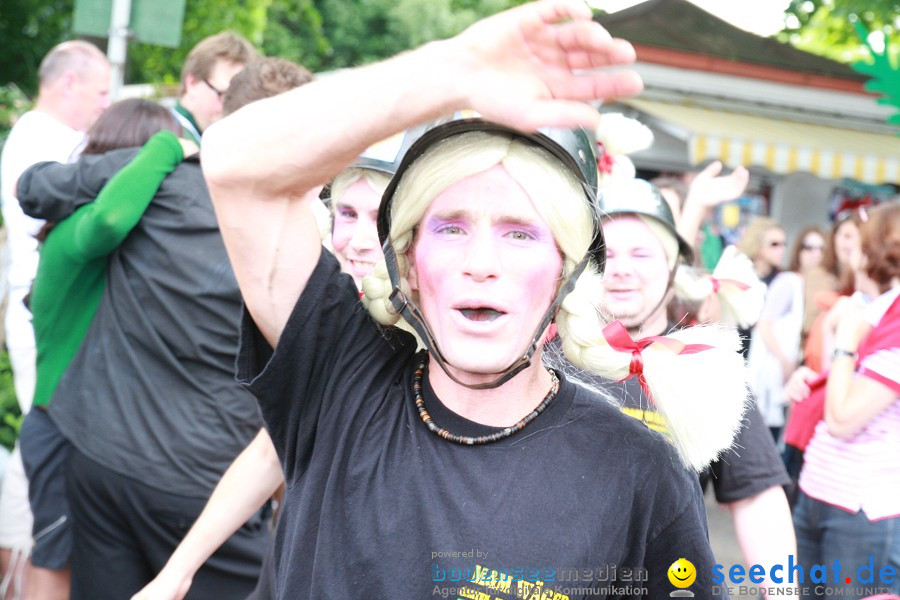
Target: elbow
218,157
839,427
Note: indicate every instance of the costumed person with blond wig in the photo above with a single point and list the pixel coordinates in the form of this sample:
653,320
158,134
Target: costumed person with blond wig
349,232
646,274
489,234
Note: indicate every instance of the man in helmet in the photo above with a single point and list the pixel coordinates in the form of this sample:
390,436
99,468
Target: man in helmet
642,253
255,475
394,459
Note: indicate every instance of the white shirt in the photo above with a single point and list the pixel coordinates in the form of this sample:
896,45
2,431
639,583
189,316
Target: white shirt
36,137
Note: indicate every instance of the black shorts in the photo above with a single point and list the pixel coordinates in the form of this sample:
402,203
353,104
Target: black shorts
124,531
45,452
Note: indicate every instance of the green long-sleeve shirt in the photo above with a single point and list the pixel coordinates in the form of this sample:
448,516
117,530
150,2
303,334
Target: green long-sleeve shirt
71,275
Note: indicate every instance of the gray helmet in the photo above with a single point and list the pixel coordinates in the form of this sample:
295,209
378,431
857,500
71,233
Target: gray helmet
640,197
573,148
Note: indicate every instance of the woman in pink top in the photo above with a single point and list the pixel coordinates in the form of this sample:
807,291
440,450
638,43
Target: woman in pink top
849,505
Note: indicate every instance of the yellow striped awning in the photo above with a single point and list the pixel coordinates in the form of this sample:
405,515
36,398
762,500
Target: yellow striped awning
781,146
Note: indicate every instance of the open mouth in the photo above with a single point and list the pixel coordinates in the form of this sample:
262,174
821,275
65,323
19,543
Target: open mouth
481,314
361,264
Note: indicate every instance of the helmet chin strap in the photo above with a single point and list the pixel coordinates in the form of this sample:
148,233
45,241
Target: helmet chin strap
669,286
407,309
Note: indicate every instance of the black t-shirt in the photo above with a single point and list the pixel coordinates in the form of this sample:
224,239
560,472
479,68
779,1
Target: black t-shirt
378,506
752,463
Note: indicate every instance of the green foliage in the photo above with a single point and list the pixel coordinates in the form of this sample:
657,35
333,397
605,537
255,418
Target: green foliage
202,18
825,27
320,34
13,102
10,415
884,76
325,35
29,28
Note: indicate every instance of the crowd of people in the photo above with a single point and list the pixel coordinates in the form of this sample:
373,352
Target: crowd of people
299,337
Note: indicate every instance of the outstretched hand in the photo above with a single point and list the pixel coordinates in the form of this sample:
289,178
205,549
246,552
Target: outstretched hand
540,63
710,189
796,389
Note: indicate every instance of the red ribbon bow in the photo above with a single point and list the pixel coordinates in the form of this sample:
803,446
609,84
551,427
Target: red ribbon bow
621,341
605,160
717,283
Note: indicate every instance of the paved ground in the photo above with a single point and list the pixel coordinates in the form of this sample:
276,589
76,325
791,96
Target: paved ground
721,536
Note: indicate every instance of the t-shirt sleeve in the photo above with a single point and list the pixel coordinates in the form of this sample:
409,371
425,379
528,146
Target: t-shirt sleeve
752,464
884,367
53,191
328,341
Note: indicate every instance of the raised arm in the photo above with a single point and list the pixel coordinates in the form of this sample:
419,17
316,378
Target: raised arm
853,399
534,65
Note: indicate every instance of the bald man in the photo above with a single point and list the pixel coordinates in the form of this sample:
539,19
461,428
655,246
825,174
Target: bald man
74,90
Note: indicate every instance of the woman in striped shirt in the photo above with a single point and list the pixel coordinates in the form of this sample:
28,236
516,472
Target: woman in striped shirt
849,505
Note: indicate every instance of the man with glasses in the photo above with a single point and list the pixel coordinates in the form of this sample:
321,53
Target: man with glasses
205,76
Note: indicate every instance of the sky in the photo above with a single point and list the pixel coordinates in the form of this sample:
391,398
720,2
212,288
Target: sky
762,17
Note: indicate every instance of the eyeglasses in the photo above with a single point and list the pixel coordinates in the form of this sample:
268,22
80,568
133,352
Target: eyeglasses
812,247
218,92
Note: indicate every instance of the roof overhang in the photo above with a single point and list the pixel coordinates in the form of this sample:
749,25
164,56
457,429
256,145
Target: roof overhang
778,145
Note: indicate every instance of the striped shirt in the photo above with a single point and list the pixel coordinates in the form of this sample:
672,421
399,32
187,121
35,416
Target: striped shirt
863,472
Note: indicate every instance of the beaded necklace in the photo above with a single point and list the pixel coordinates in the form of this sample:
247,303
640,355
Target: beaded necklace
481,439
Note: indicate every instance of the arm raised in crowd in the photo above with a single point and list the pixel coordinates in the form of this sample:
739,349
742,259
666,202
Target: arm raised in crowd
53,191
853,399
531,66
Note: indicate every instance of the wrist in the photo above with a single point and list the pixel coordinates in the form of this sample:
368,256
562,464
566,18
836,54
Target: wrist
843,353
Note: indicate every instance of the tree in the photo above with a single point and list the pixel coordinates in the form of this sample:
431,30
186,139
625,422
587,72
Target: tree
202,18
29,28
825,27
332,34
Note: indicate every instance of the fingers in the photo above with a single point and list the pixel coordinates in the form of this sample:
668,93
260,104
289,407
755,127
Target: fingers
596,86
615,53
557,113
711,170
555,11
741,177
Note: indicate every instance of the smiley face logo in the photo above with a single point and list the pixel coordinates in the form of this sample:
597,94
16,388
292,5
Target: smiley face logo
682,573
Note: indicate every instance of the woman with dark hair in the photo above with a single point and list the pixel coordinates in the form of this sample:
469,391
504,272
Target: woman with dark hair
67,290
128,124
828,281
823,286
849,503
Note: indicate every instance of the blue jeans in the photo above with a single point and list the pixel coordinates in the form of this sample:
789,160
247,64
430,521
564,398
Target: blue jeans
826,533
